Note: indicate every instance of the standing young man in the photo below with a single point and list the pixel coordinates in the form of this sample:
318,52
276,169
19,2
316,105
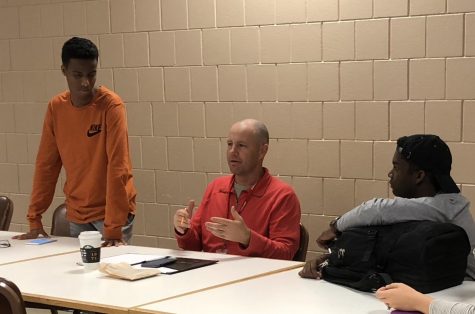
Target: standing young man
250,213
85,131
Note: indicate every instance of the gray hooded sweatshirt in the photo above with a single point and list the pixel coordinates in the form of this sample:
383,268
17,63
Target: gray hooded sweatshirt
450,207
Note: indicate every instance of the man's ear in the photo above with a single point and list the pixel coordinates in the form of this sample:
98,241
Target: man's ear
420,176
63,69
263,150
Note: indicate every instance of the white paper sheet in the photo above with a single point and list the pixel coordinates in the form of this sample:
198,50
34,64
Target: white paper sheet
133,258
130,258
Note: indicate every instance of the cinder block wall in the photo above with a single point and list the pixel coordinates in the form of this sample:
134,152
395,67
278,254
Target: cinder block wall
336,82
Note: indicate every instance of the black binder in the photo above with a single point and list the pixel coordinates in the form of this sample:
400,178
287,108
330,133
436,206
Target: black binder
181,264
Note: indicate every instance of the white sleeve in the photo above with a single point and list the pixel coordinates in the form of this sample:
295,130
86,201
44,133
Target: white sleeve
445,307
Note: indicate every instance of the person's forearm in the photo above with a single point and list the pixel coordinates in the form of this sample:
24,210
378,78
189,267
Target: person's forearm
47,168
357,217
382,211
262,246
120,189
423,304
44,184
190,240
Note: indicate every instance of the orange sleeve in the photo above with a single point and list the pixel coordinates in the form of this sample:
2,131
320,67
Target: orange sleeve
118,172
47,169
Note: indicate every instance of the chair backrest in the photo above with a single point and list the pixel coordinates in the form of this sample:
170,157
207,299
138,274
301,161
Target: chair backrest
60,225
11,301
6,212
302,251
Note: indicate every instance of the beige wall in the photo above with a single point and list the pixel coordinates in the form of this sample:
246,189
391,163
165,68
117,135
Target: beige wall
336,82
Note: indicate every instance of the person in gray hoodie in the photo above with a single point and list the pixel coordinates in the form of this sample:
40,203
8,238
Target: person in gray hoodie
423,189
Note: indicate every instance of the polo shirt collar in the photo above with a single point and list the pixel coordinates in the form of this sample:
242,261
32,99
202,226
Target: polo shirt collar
260,188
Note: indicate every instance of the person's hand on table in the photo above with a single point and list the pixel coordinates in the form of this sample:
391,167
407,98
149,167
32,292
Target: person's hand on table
402,297
312,269
113,242
230,229
182,218
32,234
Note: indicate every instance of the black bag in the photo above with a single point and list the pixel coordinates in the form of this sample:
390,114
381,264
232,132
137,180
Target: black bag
428,256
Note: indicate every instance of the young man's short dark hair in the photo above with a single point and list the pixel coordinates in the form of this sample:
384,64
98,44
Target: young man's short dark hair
79,48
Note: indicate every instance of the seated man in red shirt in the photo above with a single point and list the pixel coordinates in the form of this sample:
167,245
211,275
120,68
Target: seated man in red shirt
248,213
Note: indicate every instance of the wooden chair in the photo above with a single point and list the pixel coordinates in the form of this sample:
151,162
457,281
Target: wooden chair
60,225
6,212
302,251
11,301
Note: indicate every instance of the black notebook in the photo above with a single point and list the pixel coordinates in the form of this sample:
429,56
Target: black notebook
181,264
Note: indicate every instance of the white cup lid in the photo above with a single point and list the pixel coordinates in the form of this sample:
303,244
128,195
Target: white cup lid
90,234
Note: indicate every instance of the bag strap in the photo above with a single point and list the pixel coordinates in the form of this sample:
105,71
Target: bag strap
375,280
372,234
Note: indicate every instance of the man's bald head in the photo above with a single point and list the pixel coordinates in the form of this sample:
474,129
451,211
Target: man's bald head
257,127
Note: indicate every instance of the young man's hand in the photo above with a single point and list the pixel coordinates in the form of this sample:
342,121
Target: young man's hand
32,234
110,242
312,269
326,238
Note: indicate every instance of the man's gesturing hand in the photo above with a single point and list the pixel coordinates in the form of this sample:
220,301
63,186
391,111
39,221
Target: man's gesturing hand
231,230
182,218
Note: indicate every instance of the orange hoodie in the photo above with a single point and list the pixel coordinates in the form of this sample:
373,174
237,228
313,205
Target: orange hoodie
91,142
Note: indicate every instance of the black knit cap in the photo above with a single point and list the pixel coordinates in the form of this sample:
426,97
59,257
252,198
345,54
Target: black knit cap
429,153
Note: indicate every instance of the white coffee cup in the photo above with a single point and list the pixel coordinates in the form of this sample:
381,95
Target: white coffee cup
90,247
